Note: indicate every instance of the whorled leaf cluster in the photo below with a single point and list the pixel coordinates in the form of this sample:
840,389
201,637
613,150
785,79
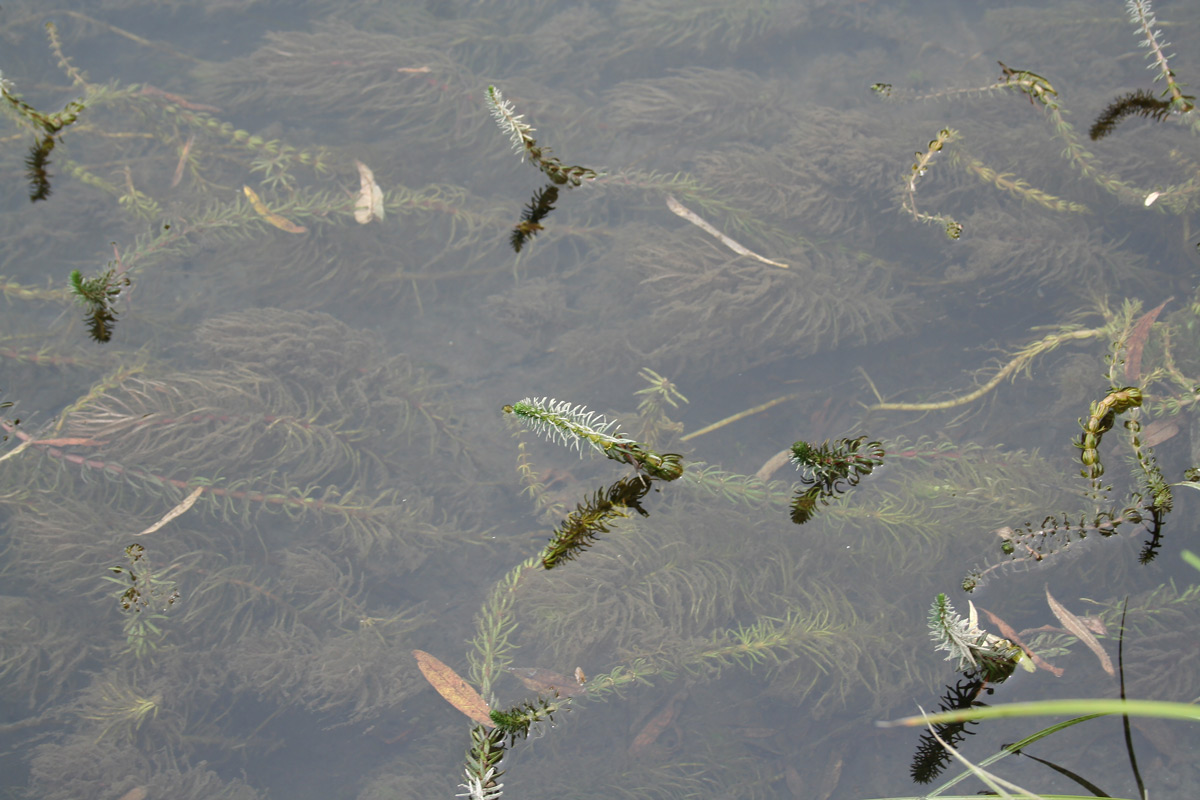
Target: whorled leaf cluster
830,469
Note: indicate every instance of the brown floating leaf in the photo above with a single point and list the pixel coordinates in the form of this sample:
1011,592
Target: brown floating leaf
369,205
457,692
1077,628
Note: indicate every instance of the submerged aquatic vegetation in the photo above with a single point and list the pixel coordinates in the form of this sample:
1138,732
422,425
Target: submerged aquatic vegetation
829,469
573,425
593,516
972,649
99,296
520,133
47,128
350,498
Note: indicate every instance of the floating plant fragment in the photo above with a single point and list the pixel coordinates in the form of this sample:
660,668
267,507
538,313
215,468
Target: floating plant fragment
680,210
369,205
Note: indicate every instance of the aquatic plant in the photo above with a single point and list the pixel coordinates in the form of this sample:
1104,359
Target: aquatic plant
45,127
1140,102
119,709
144,598
973,649
520,133
99,295
538,208
1171,103
933,750
1099,421
593,516
952,226
829,469
1144,510
517,721
1145,24
572,426
483,761
41,654
338,482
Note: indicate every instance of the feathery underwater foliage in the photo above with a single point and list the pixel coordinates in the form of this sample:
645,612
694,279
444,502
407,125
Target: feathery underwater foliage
572,425
593,516
972,649
829,469
351,499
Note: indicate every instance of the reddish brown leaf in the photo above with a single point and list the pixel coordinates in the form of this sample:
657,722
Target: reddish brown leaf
1137,342
544,681
657,724
457,692
1077,628
70,441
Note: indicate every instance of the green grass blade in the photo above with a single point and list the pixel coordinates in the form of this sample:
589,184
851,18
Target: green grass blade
1134,708
1013,748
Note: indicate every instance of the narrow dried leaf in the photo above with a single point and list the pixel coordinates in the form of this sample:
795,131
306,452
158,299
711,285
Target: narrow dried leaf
1080,631
282,223
183,506
691,216
70,441
773,464
457,692
369,205
183,160
544,681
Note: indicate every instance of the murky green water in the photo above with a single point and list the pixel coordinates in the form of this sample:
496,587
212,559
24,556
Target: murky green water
313,383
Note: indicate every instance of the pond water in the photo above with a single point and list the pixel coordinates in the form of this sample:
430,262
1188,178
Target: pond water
256,456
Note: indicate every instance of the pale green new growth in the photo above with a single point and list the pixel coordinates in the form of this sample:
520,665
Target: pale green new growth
510,121
571,425
1144,22
566,424
972,647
